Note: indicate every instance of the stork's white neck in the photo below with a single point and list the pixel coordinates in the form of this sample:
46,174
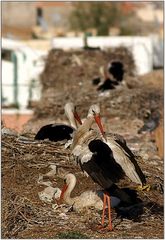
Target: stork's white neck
71,185
72,121
83,129
70,115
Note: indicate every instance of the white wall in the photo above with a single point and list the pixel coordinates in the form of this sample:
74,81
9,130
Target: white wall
7,81
27,70
141,47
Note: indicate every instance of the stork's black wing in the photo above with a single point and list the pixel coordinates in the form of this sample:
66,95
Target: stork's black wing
102,167
55,132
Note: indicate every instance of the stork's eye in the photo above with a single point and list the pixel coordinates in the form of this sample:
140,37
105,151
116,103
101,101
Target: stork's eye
93,111
64,180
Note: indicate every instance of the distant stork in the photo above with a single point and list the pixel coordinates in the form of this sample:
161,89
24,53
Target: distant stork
115,68
150,123
108,83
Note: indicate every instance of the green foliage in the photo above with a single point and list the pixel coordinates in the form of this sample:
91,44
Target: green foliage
71,235
98,15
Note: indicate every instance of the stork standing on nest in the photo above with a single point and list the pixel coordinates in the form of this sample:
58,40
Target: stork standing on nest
58,132
106,159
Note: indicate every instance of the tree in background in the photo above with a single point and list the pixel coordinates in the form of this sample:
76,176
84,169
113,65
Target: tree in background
101,16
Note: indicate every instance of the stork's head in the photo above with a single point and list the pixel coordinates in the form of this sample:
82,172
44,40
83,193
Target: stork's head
69,106
94,111
70,109
69,182
69,178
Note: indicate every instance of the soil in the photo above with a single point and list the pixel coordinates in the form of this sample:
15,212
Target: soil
68,77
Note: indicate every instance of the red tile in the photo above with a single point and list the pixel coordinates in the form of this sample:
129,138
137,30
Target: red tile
15,121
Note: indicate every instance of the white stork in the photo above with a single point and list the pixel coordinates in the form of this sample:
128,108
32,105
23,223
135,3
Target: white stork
58,132
86,199
106,158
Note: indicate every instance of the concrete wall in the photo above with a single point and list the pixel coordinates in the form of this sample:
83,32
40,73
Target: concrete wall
23,14
18,14
20,74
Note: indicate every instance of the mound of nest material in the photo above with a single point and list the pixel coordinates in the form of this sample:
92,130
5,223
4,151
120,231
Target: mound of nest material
68,77
25,216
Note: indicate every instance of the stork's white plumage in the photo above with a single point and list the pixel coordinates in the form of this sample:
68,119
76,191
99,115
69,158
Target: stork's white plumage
126,159
71,113
84,133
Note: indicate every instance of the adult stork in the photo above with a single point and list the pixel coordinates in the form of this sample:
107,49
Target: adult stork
106,158
58,132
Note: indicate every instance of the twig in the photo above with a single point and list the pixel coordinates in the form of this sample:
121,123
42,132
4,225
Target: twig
24,217
27,141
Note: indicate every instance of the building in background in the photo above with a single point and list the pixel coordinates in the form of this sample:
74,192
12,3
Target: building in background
44,19
37,25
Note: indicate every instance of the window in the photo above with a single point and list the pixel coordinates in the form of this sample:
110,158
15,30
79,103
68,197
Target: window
6,55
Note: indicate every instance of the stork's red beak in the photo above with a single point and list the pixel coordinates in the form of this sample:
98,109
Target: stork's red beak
62,192
98,121
77,117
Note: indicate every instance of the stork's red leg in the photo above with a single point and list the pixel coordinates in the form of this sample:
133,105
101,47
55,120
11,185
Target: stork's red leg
106,200
104,206
109,213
